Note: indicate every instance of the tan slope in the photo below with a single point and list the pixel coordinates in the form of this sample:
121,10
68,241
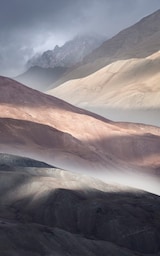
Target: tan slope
127,90
138,41
49,129
129,83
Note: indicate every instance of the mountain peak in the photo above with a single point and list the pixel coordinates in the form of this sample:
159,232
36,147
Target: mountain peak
139,40
71,53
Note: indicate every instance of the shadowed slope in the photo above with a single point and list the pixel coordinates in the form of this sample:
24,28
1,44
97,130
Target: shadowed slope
38,240
40,78
139,40
11,161
91,211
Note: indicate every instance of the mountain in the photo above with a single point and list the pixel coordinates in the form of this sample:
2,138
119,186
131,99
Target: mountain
138,41
71,53
45,128
40,78
12,161
49,67
48,211
125,90
78,208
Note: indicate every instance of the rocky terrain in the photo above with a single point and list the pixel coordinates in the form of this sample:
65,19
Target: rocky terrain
48,211
45,69
69,54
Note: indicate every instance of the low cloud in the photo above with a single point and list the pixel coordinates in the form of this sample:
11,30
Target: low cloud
28,27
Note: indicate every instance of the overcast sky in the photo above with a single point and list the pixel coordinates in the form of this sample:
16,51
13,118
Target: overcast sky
31,26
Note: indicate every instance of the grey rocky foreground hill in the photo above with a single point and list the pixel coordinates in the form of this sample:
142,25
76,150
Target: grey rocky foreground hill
7,160
48,211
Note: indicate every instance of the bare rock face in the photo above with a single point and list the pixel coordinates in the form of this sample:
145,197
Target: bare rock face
48,129
45,69
47,210
71,53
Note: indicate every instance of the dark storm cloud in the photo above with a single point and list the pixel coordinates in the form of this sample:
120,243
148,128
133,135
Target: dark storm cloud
44,14
29,26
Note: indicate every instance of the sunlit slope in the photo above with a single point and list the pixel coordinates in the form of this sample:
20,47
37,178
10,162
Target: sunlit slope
129,83
123,85
46,128
138,41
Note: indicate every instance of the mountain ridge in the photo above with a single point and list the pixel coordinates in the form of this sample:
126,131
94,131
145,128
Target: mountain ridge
75,139
124,85
69,54
137,41
128,40
48,210
47,68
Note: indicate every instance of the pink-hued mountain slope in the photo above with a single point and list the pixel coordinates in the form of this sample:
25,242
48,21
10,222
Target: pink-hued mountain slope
48,129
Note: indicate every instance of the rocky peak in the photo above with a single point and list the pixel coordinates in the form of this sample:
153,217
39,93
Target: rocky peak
71,53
